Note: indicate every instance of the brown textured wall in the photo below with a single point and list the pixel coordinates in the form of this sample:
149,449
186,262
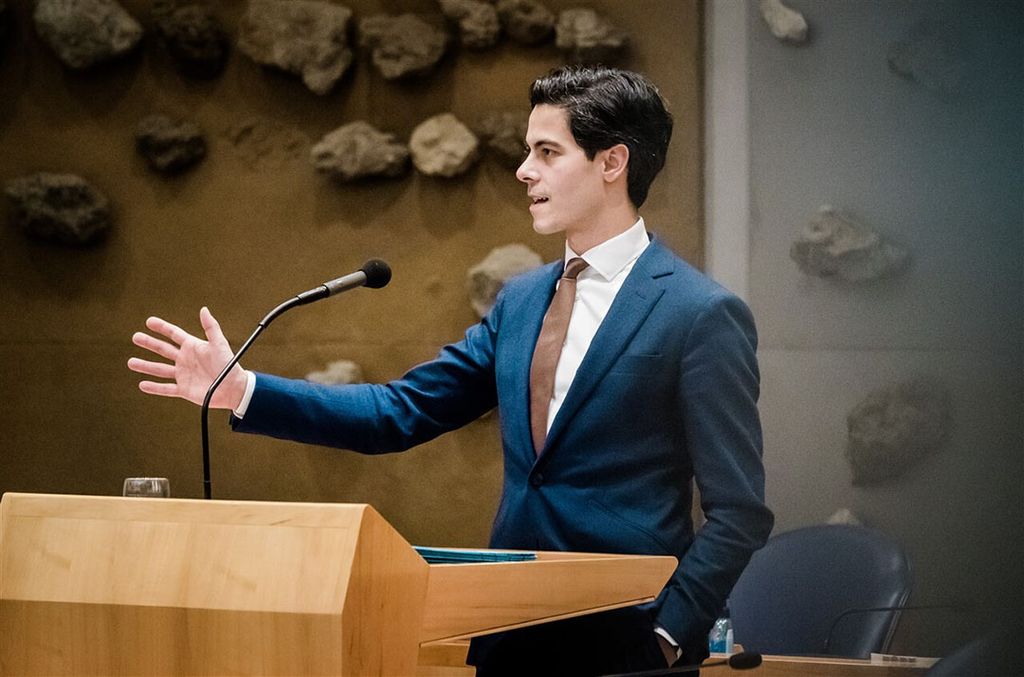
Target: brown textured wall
254,224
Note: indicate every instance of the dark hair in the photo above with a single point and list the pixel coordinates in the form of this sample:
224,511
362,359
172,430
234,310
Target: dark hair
606,107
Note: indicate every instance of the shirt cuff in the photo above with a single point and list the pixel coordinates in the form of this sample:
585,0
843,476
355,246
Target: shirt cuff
250,386
664,633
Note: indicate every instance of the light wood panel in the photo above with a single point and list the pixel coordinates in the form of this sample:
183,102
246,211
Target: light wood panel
521,593
106,585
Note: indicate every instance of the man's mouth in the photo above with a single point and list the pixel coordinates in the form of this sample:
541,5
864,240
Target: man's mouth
538,200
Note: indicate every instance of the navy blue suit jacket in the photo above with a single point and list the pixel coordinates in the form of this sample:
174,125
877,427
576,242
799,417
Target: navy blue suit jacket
666,394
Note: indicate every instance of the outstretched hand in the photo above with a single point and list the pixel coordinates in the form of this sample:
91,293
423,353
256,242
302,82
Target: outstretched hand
194,363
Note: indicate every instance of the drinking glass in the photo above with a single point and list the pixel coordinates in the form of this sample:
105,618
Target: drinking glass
147,487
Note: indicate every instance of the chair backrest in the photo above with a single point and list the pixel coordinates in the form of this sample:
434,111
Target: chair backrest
996,654
799,593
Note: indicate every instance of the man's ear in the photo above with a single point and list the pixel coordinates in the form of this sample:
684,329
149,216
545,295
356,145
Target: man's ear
615,160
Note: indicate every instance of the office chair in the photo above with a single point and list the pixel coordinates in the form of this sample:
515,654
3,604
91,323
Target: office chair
810,591
998,654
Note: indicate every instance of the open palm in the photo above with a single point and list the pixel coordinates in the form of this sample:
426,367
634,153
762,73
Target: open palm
192,364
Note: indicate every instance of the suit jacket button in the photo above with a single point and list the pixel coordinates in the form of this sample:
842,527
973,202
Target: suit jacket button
537,480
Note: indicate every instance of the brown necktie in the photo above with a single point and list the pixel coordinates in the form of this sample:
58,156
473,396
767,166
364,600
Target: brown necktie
549,349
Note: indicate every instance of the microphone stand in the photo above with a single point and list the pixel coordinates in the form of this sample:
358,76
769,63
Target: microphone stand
374,274
896,610
301,299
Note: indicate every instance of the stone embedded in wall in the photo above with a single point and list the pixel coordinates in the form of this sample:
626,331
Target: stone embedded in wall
340,372
526,21
894,427
83,33
844,516
443,146
402,46
304,37
59,208
504,135
169,146
589,37
479,27
485,279
194,38
785,23
931,57
358,150
834,247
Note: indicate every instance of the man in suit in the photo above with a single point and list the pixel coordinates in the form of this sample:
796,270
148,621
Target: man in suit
621,375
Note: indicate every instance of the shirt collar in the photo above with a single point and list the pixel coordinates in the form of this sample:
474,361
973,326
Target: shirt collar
611,256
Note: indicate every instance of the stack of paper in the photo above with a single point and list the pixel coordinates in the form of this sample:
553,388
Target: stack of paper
459,556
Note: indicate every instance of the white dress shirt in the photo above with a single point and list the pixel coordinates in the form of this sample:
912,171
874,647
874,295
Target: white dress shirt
596,287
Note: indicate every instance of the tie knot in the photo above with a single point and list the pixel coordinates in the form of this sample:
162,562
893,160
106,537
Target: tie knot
574,268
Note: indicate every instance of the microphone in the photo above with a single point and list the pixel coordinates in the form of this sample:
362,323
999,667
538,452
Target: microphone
744,660
374,274
854,611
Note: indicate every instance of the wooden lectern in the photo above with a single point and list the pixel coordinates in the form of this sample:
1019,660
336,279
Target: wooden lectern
93,585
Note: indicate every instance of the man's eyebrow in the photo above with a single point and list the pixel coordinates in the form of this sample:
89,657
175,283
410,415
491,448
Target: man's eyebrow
542,142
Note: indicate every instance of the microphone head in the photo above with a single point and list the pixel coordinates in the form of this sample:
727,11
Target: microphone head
744,660
378,273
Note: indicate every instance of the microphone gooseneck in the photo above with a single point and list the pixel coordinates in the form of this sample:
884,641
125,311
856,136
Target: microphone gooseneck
374,274
894,608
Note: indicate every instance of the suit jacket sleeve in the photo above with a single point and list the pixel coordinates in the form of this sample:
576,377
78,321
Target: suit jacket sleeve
455,388
719,383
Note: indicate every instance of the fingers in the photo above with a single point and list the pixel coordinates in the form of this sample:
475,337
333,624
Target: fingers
162,389
165,328
155,345
157,369
211,326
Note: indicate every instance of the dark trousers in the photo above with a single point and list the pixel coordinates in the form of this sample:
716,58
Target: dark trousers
622,640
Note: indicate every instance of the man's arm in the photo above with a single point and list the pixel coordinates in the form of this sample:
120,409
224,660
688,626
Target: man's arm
453,389
445,393
719,384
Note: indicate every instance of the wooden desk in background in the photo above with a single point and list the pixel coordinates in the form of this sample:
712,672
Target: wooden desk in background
801,666
449,660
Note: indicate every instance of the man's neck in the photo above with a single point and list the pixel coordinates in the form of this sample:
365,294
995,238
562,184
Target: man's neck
581,241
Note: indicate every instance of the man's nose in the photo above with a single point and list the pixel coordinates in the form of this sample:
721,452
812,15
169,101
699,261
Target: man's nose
525,172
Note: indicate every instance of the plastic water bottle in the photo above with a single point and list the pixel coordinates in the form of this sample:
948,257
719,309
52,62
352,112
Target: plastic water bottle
720,637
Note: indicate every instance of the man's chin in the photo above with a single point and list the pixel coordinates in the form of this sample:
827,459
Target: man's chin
542,228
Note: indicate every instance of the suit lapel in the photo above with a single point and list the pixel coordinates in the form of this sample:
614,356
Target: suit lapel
631,306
